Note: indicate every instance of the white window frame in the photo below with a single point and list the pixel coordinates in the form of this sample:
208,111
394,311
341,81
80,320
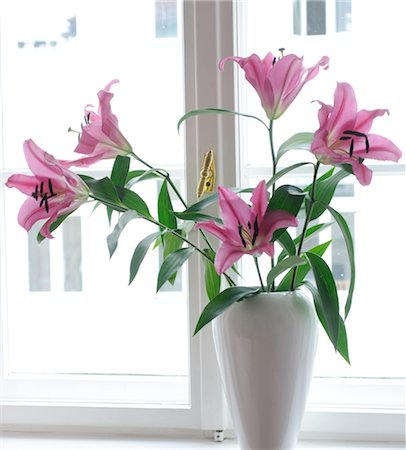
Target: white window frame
208,36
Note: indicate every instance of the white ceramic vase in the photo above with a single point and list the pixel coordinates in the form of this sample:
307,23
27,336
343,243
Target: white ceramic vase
265,348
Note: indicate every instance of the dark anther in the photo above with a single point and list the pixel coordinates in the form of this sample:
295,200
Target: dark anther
274,60
358,134
255,235
241,236
249,225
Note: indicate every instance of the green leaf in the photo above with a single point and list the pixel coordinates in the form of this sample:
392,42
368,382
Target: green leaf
288,245
210,199
196,217
54,225
139,254
105,191
309,233
346,232
133,201
211,278
171,243
299,141
342,344
199,112
325,188
286,198
113,237
327,300
302,270
172,264
288,263
221,302
120,170
283,172
165,208
135,176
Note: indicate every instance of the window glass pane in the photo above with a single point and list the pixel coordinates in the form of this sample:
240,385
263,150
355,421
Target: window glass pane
316,17
67,295
375,330
343,15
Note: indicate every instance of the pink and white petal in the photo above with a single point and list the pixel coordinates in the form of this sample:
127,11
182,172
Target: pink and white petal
237,59
268,248
89,139
380,148
259,200
24,183
226,256
365,118
362,173
30,212
41,164
274,221
297,79
214,229
344,112
234,211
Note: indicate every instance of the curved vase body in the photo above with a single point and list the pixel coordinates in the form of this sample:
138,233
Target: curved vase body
265,348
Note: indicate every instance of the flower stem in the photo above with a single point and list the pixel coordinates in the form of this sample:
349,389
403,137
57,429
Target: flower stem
167,176
307,221
259,273
271,144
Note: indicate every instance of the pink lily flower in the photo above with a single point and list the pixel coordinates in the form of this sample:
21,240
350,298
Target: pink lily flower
101,137
344,138
277,81
246,230
52,191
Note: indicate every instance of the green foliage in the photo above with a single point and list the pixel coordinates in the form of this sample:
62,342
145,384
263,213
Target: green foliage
299,141
212,279
288,263
140,252
221,302
205,111
345,230
324,191
302,270
326,301
172,264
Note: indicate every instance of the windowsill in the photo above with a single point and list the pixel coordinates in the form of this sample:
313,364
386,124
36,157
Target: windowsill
48,441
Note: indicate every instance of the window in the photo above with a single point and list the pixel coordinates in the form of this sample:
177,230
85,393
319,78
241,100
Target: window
376,378
178,387
320,17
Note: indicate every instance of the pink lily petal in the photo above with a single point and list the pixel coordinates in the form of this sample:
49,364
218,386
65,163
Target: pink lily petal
25,183
234,211
101,137
365,119
380,148
344,112
214,229
273,221
226,256
362,173
276,81
42,163
343,136
259,200
52,191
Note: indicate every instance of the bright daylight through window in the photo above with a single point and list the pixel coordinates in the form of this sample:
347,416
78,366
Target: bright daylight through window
347,32
78,329
65,316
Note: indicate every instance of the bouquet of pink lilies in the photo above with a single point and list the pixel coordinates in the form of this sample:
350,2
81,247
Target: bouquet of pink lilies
342,141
